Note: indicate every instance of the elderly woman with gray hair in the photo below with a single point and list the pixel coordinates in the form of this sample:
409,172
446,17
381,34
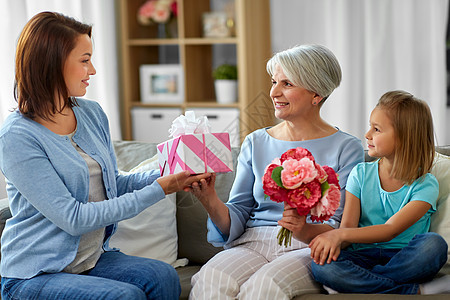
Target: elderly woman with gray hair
253,265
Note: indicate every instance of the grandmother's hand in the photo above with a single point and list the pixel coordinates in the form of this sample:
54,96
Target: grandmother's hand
180,181
204,190
292,220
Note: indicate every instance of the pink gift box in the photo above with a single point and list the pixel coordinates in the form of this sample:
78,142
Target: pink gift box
197,153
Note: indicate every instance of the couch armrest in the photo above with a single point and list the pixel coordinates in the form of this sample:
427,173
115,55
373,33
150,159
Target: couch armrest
445,150
5,214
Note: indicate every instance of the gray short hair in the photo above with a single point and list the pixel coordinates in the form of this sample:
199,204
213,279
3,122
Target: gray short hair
313,67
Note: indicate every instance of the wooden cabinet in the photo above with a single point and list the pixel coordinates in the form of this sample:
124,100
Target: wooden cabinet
251,46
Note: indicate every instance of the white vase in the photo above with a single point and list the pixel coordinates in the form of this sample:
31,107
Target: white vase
226,91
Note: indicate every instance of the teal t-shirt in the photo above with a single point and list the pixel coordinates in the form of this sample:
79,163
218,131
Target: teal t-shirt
377,205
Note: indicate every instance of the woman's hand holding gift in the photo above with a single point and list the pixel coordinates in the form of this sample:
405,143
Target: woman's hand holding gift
180,181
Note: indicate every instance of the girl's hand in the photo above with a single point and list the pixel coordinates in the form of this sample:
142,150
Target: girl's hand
326,247
292,220
204,189
180,181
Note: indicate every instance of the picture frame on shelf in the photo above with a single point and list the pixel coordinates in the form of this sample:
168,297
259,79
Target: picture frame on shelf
215,25
162,83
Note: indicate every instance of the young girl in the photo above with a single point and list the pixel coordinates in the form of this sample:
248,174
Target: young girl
387,210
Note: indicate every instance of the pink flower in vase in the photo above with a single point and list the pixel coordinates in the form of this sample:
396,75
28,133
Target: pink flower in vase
162,12
174,8
147,9
145,13
157,11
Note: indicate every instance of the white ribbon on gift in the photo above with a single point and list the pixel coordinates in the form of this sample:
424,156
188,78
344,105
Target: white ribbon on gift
189,124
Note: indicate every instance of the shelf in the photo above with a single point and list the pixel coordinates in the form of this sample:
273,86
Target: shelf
208,41
249,50
211,104
152,42
188,41
141,104
206,104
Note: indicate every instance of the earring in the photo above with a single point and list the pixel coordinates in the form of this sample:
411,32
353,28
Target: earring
314,103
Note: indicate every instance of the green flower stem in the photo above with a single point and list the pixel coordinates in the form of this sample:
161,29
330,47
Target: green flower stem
284,236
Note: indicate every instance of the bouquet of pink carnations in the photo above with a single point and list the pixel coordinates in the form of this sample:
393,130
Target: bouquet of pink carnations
296,179
157,11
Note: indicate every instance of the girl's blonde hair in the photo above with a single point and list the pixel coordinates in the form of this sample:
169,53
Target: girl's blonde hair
413,127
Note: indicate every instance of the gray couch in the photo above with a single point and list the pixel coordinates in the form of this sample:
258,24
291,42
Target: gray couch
191,222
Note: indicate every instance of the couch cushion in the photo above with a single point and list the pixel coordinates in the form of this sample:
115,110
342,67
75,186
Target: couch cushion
440,221
129,154
185,274
369,297
153,232
445,150
191,220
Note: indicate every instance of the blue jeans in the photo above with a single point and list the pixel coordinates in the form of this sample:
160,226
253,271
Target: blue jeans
386,271
116,276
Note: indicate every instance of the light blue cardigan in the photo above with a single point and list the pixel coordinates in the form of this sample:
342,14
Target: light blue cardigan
47,186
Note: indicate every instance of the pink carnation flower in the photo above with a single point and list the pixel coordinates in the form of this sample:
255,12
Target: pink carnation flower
333,177
174,8
276,161
157,11
305,197
147,9
327,205
296,153
271,189
297,172
321,174
162,12
298,181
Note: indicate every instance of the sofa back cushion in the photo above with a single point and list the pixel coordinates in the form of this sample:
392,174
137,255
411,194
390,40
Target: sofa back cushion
191,219
440,221
153,232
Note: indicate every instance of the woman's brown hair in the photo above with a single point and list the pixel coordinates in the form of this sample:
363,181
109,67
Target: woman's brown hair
413,126
42,49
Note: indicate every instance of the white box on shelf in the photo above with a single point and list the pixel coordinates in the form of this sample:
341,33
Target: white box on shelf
152,124
222,120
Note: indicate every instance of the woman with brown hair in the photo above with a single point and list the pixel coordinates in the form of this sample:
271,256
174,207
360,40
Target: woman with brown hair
64,190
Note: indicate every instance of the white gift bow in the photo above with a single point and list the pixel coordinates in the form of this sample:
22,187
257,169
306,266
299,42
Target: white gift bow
189,124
